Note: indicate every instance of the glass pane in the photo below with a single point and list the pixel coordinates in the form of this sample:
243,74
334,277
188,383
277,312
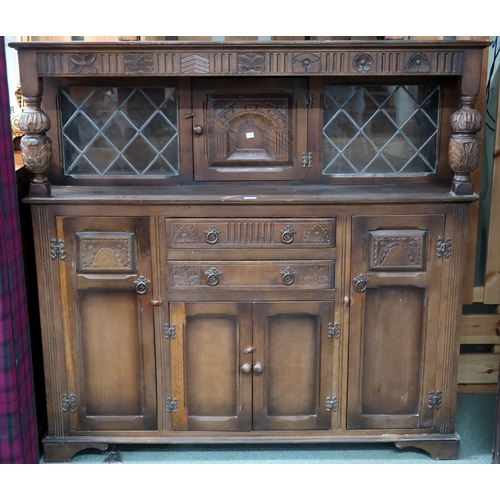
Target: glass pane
380,129
114,131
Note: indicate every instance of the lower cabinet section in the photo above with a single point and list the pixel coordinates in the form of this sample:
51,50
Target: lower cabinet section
251,366
351,340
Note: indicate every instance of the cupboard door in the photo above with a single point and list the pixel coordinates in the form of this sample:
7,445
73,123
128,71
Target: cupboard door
108,322
257,133
395,296
211,372
292,365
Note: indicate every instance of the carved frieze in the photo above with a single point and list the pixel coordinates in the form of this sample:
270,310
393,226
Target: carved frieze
138,63
307,63
195,63
83,64
363,63
418,63
251,62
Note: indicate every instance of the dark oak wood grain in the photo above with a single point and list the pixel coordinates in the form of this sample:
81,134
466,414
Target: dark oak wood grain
205,278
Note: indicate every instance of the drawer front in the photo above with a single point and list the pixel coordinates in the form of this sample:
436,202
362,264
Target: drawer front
247,274
262,233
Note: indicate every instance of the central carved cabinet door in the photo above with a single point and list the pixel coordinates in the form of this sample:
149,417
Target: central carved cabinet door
257,133
396,272
108,323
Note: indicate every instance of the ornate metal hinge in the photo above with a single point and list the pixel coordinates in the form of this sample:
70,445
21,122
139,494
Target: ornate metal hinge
169,331
332,404
308,100
434,400
307,160
57,248
68,403
443,247
171,405
333,330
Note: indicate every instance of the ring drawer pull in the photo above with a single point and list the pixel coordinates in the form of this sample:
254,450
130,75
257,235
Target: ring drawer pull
212,235
213,276
141,285
288,276
360,283
287,234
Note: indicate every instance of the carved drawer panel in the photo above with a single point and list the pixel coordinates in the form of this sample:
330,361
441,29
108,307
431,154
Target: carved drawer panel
244,274
303,233
105,252
397,250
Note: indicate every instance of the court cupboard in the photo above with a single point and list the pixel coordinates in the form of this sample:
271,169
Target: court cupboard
250,242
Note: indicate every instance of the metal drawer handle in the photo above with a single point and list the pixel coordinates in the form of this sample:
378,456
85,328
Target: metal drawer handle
212,235
360,283
141,285
287,234
288,276
213,276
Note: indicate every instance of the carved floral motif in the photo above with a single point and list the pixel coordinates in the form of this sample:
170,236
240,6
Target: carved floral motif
316,275
306,63
90,250
418,63
138,63
251,62
363,63
383,246
36,153
33,120
83,64
186,276
317,234
466,121
184,234
463,153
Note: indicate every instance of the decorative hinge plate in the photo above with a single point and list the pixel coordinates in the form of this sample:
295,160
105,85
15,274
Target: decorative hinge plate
333,330
434,400
169,331
57,248
171,405
307,159
68,403
443,247
332,404
308,100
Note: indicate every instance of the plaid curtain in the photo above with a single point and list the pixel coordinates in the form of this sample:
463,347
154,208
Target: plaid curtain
18,429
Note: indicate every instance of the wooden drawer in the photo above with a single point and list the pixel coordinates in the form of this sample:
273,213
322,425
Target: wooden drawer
252,274
262,233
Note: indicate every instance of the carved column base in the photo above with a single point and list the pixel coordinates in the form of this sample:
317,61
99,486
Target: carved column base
462,185
39,189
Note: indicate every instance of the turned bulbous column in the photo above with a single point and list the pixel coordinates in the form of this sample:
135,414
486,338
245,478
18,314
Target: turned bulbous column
36,147
465,146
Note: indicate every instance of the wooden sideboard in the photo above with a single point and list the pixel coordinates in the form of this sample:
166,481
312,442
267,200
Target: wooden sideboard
250,242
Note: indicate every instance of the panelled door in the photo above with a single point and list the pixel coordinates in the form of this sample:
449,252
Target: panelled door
108,327
394,308
244,366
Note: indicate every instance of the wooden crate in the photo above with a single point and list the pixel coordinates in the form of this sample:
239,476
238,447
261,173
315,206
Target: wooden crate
478,372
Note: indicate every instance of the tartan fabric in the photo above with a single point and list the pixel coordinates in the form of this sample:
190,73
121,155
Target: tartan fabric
18,430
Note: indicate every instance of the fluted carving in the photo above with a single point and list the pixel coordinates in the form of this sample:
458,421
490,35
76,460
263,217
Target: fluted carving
465,146
36,147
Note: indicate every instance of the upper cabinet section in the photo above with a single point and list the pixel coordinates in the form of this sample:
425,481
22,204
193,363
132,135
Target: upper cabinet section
169,113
